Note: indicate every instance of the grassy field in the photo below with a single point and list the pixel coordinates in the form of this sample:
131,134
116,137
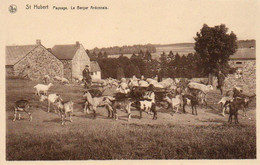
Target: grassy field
172,136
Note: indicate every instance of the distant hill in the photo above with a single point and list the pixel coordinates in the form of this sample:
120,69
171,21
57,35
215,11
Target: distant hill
157,49
186,48
177,44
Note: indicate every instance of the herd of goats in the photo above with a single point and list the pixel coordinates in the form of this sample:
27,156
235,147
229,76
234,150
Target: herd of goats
143,94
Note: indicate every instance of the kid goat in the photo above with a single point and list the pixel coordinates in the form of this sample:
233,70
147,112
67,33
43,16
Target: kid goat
22,106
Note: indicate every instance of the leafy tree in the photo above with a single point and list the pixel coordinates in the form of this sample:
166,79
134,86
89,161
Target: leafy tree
147,56
105,55
141,54
120,73
100,55
132,70
163,65
170,56
214,45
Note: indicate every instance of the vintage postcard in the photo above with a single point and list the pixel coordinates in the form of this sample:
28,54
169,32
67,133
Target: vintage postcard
134,81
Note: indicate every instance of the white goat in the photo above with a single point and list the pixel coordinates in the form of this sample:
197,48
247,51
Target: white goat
51,98
123,88
94,102
167,83
133,83
64,109
42,88
146,106
143,83
154,83
202,87
223,103
174,102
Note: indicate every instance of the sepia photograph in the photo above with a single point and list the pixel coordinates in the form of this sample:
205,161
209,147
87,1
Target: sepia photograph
130,80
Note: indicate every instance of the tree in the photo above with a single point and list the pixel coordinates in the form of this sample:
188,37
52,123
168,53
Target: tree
100,55
214,45
163,65
105,55
120,73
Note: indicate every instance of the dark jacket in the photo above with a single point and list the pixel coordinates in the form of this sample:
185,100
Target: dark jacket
86,74
221,78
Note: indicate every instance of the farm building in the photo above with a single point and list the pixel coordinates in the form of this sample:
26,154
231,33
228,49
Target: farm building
73,57
245,62
32,61
95,70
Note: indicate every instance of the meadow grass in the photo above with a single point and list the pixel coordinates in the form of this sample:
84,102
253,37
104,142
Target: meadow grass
133,141
206,136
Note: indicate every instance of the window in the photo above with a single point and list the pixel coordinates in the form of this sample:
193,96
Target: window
239,62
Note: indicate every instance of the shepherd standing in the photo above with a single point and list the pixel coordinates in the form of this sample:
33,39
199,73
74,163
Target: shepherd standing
221,78
86,77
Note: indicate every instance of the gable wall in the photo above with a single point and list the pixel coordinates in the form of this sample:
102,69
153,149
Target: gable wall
37,63
79,61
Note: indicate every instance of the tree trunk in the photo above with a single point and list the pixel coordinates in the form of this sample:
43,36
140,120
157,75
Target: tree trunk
210,79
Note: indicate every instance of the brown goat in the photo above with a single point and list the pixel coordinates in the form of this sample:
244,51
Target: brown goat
22,106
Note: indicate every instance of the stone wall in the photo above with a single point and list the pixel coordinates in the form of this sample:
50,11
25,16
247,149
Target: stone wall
37,63
244,77
79,61
67,69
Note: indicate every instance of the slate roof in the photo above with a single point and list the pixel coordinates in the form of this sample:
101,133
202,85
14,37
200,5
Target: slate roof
94,66
244,54
16,53
64,52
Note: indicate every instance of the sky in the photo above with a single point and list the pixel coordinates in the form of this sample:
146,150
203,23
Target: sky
125,22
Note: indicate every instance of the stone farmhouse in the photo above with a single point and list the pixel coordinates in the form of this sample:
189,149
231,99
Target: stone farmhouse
73,57
95,70
32,61
245,62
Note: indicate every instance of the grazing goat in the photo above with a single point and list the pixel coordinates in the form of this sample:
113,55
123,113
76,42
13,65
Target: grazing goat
166,83
202,87
64,109
42,88
51,100
143,83
21,106
133,83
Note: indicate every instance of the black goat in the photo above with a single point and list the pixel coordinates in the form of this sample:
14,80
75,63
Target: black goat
193,101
